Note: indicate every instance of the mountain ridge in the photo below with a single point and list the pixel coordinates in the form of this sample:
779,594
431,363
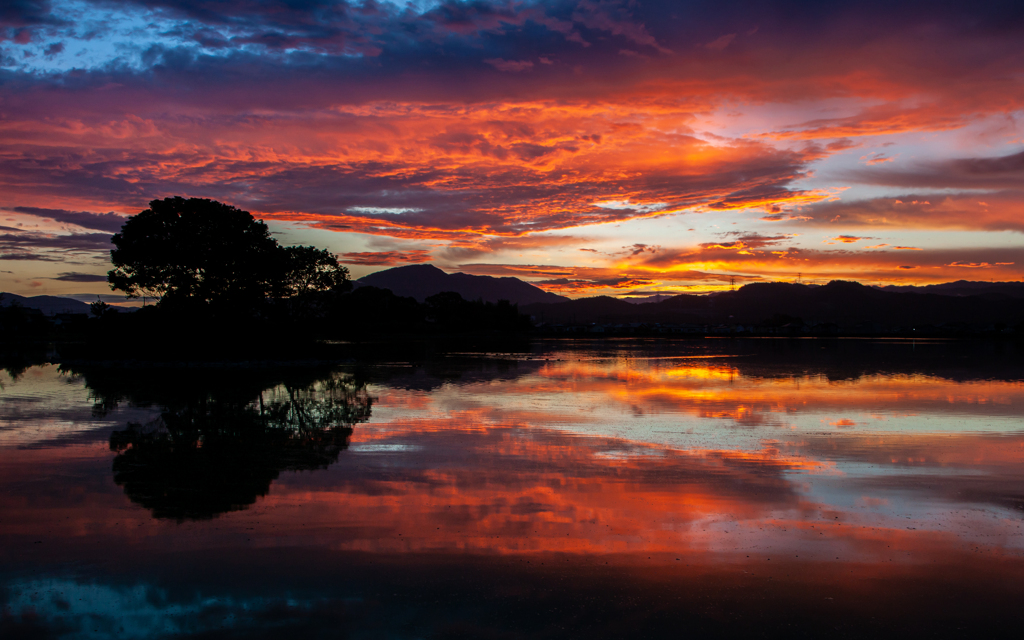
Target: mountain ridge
841,303
962,288
421,281
49,305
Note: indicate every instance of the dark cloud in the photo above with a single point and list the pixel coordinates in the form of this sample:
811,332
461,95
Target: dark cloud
380,52
388,32
25,13
92,297
234,12
111,222
576,285
75,276
998,211
653,26
649,293
23,255
20,243
998,173
639,248
743,240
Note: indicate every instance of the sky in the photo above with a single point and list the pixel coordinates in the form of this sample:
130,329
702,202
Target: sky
591,147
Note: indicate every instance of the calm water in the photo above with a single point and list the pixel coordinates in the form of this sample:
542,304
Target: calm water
618,489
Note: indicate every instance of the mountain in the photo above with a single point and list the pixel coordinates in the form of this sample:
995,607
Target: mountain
962,288
844,304
421,281
49,305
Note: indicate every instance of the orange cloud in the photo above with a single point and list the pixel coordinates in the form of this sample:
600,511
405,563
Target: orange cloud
846,239
386,258
716,266
977,265
430,171
615,118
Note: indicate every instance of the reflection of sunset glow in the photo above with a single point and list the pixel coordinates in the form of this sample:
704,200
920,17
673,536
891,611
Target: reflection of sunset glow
443,475
724,392
737,471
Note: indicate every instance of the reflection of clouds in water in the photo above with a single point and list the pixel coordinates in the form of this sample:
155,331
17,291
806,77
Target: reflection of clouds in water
818,466
639,398
384,448
43,406
925,476
863,430
644,464
475,487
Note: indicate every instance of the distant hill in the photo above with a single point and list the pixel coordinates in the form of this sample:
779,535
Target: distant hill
49,305
659,297
841,303
421,281
964,288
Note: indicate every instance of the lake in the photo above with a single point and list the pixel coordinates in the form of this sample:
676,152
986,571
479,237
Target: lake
602,489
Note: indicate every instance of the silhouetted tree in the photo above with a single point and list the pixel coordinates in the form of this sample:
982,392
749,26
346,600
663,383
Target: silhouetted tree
99,308
313,281
199,251
312,270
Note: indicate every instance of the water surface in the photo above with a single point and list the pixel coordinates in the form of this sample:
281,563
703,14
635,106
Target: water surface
610,489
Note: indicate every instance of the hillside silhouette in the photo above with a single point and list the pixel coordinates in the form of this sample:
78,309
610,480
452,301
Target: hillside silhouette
991,290
420,281
49,305
839,303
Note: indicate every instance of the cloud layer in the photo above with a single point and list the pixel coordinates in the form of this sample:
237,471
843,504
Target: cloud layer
462,126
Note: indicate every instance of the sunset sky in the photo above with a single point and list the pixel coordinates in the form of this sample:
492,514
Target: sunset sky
587,146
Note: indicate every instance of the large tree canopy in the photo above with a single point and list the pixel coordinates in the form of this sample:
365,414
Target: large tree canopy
198,250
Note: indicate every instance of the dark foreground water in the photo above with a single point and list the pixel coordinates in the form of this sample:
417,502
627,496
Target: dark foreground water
792,488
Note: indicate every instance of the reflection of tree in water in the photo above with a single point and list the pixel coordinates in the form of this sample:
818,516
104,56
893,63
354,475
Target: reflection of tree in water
217,447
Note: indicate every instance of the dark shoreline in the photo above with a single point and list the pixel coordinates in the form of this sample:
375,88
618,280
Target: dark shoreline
837,358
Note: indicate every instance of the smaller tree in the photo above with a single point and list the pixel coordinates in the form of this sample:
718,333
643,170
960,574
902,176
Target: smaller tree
311,270
99,308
